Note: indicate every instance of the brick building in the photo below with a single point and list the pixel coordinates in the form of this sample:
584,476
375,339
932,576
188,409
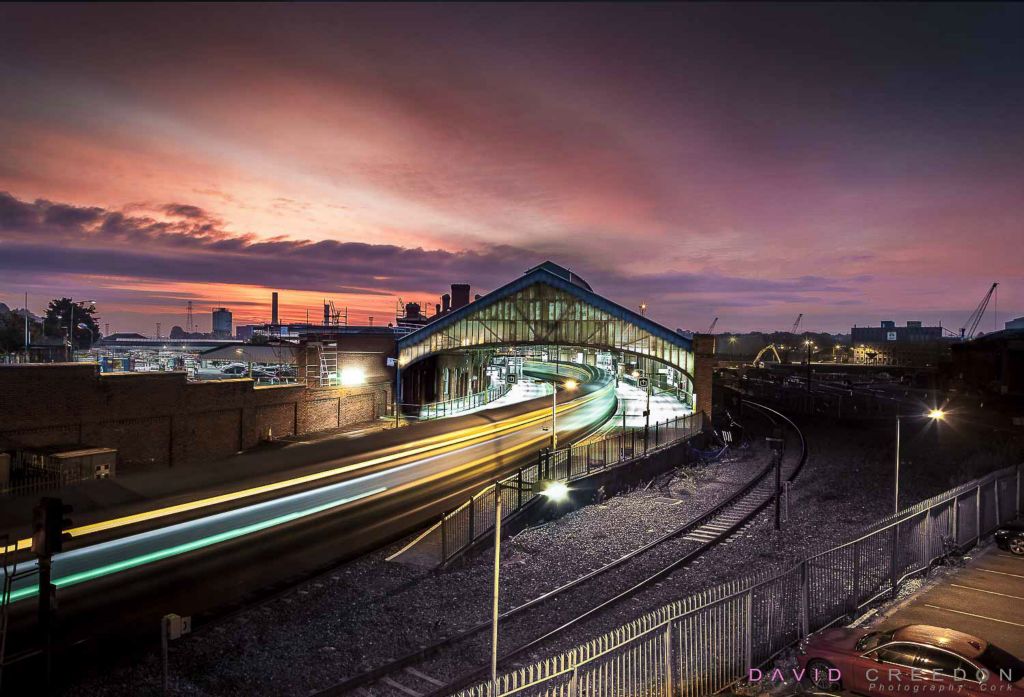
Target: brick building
161,419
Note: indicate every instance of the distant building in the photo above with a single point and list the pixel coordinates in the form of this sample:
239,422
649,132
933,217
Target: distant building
993,363
245,331
1015,323
222,323
887,344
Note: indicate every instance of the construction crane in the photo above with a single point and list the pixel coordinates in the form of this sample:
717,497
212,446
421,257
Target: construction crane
711,329
796,325
971,326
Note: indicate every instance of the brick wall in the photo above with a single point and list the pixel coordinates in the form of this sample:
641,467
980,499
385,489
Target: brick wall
703,371
161,419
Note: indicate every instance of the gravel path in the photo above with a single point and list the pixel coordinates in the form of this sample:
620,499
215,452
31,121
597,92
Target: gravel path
369,611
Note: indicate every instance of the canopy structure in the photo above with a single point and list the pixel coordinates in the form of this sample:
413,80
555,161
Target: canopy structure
549,305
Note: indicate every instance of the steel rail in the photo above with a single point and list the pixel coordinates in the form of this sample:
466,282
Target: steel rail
425,653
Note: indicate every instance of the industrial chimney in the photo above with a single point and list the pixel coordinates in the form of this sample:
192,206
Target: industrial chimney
273,308
460,295
446,303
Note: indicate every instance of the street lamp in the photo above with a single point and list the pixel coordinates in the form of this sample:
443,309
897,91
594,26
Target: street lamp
569,385
643,309
92,335
556,492
809,344
71,324
934,415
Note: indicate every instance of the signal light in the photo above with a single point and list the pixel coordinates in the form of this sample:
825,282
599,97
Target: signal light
48,524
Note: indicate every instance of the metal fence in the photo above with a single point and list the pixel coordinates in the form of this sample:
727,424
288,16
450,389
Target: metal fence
450,407
459,529
703,644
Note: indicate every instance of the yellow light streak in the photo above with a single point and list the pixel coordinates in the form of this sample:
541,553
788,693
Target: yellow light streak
442,443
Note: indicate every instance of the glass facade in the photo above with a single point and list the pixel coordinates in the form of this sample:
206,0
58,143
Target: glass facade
545,315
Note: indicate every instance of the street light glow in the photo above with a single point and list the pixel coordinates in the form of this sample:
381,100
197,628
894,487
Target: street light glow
937,415
556,491
571,384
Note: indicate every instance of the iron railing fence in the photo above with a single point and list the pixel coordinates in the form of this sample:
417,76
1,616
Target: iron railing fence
704,643
38,481
450,407
460,528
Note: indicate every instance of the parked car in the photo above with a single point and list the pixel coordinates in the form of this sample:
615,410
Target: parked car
936,659
1010,536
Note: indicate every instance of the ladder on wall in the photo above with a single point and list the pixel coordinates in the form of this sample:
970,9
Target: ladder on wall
324,372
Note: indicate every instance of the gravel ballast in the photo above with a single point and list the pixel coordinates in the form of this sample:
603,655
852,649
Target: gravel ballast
369,611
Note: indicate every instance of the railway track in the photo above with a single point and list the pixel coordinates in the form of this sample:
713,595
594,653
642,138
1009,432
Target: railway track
421,673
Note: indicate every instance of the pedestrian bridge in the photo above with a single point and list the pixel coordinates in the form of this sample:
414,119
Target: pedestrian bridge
548,306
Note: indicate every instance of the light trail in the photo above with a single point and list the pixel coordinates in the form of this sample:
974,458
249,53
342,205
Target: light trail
174,550
442,443
146,547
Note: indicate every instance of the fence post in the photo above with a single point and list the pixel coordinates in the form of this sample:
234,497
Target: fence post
669,663
444,538
956,520
519,486
928,532
894,562
995,493
748,640
977,515
855,597
472,519
805,600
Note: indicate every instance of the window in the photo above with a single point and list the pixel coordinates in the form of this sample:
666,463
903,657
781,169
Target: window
936,660
897,654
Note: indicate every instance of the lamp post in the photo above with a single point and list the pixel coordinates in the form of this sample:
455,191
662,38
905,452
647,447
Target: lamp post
809,344
569,385
92,334
71,326
934,415
555,491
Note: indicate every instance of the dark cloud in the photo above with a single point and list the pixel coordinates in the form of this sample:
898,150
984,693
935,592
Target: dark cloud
57,239
184,210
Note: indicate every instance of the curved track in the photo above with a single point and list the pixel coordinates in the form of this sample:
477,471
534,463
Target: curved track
412,675
241,545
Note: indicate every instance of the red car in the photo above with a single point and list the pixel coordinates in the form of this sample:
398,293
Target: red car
911,659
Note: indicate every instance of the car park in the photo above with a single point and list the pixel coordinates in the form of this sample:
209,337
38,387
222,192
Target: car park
910,658
1010,536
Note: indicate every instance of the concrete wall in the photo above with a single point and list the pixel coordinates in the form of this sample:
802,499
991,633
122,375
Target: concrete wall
161,419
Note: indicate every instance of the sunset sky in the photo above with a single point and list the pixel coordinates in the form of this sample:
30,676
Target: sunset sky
854,163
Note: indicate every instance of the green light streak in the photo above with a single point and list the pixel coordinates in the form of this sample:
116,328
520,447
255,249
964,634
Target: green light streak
150,557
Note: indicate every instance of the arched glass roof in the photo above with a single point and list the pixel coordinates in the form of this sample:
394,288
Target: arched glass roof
549,305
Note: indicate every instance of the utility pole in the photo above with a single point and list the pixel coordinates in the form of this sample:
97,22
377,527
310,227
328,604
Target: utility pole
28,342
